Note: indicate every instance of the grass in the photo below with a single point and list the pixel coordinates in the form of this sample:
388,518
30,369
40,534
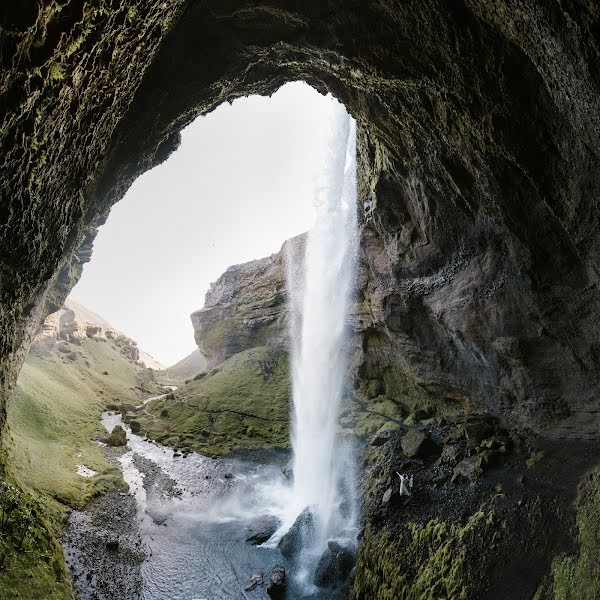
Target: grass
243,403
53,417
578,577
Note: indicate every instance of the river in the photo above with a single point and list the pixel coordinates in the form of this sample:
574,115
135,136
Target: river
180,532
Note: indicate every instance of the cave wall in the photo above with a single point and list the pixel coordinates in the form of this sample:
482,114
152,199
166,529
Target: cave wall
479,127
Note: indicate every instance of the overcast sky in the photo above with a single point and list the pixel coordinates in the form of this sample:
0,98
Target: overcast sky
239,185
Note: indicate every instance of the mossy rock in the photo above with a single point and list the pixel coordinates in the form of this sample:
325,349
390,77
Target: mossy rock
118,437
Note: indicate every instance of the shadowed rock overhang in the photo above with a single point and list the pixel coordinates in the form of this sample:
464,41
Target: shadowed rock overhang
479,137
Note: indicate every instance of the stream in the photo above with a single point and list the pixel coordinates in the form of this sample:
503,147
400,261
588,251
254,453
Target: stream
180,532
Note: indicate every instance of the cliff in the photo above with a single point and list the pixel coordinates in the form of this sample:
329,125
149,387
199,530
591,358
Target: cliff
244,308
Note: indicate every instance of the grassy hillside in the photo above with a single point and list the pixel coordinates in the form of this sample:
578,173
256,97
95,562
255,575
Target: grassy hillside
186,368
243,403
53,417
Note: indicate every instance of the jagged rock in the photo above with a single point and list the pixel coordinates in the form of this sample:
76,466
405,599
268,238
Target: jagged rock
467,469
277,583
256,580
450,456
300,535
262,529
380,438
416,443
335,565
117,437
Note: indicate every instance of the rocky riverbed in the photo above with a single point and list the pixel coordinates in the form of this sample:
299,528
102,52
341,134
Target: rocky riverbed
180,530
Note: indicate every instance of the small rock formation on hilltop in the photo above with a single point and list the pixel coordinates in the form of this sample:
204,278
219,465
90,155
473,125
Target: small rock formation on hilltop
74,323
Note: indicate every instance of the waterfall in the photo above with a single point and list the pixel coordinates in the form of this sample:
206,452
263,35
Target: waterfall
320,291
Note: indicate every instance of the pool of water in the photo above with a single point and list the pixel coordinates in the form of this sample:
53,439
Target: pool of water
196,539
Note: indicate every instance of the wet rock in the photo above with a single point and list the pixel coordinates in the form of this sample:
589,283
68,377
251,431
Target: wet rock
112,545
228,475
276,585
417,444
262,529
467,469
334,566
255,581
380,438
450,456
301,534
288,470
135,426
390,497
118,437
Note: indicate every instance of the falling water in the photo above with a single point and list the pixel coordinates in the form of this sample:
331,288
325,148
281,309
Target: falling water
319,306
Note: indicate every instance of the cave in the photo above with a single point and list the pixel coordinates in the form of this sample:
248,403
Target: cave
479,177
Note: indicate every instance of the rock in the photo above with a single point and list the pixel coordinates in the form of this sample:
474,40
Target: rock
276,585
262,529
390,497
467,469
288,470
380,438
300,535
450,456
112,545
255,581
118,437
334,566
416,443
228,475
135,426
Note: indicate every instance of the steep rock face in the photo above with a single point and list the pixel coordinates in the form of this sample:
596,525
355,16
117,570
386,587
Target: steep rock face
245,308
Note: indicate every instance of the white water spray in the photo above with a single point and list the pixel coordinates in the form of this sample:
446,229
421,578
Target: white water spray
319,306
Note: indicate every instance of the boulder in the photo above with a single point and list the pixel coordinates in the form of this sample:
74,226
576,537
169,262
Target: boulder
276,585
380,438
255,581
262,529
467,469
417,444
300,535
334,566
135,426
451,456
118,437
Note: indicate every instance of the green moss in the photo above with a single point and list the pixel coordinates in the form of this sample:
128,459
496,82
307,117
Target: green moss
31,560
117,437
423,562
242,404
534,458
51,424
578,577
54,413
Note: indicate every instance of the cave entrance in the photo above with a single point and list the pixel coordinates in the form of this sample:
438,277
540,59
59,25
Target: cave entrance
245,178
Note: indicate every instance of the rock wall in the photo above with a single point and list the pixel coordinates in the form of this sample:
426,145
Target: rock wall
74,323
479,129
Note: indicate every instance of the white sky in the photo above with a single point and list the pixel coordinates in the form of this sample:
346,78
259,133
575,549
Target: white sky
239,185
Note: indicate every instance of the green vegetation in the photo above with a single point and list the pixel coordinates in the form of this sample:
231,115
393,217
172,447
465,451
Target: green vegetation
534,458
186,368
578,577
117,437
421,562
55,412
243,403
53,417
